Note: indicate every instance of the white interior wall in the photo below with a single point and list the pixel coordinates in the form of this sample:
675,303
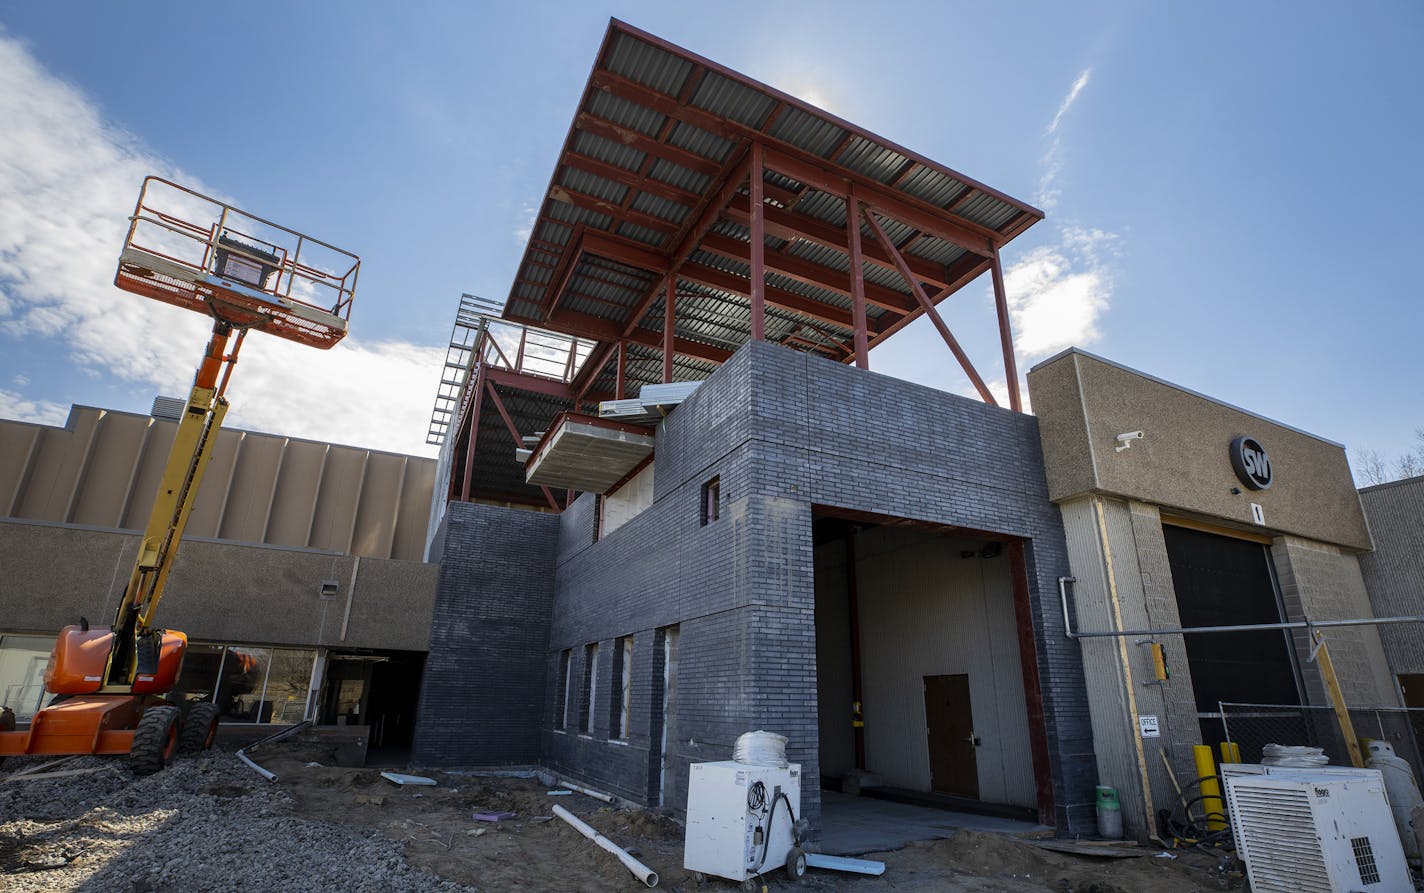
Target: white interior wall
625,503
927,611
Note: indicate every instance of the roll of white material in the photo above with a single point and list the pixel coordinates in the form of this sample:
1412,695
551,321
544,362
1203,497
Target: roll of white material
761,748
1293,756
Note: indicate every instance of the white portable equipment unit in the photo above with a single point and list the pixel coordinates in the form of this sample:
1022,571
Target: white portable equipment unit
741,820
1328,834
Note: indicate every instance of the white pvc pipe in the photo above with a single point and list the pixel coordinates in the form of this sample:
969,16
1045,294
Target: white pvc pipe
640,871
597,795
270,776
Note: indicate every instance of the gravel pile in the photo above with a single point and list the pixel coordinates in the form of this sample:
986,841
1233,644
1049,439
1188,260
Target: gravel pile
206,823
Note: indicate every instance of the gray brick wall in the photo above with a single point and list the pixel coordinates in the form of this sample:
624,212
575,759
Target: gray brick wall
482,699
785,432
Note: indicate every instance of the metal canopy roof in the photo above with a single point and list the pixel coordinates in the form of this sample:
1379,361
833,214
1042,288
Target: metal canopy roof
653,180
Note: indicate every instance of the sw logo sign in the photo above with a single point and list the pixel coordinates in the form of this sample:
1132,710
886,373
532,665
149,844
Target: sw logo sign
1251,463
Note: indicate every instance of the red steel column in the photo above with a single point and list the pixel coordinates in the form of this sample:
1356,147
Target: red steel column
477,381
622,367
857,282
669,318
1006,334
758,252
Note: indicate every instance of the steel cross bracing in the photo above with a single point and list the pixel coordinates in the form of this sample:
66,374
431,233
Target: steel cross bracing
693,209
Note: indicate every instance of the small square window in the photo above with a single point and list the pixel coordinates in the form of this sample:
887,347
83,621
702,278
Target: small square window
711,501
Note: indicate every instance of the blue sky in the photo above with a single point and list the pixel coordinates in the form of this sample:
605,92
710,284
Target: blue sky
1230,188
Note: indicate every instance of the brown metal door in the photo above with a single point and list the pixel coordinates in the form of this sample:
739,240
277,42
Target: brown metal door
953,766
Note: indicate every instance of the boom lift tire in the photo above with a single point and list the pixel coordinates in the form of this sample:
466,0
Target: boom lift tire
200,728
155,741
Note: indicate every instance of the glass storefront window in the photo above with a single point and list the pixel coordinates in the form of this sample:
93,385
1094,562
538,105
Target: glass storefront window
288,682
22,664
199,678
244,672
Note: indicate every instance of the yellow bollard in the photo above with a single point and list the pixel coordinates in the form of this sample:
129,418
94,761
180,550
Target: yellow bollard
1210,788
1230,752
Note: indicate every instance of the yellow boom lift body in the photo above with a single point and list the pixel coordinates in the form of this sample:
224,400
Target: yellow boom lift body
248,274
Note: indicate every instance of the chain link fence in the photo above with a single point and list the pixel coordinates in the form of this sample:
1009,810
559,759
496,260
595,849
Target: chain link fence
1252,726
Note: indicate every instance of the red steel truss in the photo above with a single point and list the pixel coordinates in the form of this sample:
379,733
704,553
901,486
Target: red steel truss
693,209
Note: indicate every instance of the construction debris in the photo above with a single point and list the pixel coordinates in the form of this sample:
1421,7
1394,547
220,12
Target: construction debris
401,779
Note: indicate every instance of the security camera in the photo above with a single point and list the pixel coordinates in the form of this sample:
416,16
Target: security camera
1124,441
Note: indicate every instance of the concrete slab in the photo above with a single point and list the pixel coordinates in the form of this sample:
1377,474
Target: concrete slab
853,826
588,454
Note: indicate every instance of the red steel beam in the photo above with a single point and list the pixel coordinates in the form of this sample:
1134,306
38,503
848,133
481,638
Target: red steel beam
809,272
933,314
599,206
644,143
729,282
857,307
478,374
875,195
693,235
970,236
757,179
524,382
518,438
669,325
798,227
1006,334
623,250
631,179
571,322
1032,682
619,386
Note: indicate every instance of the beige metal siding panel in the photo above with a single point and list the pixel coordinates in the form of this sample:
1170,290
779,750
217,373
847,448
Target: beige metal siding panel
295,494
414,508
56,465
116,451
206,519
150,475
925,612
337,499
19,443
380,491
250,498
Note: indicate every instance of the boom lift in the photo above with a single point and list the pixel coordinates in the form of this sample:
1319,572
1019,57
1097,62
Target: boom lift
248,274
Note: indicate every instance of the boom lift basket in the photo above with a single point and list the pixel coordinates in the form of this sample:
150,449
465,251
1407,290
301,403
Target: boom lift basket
196,252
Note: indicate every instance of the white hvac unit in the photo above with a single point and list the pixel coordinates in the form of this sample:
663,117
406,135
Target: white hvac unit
1316,835
741,820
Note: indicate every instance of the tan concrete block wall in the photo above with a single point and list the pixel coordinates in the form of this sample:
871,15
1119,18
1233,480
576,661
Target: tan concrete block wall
1083,403
1322,582
50,575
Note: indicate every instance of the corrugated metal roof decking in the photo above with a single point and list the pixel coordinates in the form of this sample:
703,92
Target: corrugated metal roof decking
658,115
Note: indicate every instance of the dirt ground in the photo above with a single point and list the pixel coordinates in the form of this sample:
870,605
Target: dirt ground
210,824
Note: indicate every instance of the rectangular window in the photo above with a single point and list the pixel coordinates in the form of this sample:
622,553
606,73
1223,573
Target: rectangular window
621,704
590,688
565,669
711,499
22,664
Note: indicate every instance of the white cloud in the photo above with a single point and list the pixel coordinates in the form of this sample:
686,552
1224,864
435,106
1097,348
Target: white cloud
23,409
1049,190
525,228
1057,292
68,181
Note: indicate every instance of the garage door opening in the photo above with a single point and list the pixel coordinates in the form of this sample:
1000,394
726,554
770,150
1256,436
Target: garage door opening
922,694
